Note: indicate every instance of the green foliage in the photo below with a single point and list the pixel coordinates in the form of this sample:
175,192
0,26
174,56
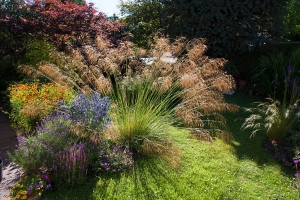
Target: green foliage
292,19
142,18
31,156
273,72
277,118
9,73
229,26
143,116
37,51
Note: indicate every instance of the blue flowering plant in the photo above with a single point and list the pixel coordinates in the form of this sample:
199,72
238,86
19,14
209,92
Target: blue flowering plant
89,114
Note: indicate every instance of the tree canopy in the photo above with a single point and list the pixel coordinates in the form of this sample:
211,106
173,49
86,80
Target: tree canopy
228,25
142,18
57,21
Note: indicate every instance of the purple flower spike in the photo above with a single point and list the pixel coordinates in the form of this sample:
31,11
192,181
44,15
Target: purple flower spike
297,175
296,161
295,185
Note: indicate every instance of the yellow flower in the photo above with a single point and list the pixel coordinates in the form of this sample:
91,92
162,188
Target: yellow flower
14,198
23,192
40,194
24,197
18,185
7,196
17,196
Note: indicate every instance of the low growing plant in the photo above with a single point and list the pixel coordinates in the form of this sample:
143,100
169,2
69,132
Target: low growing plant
115,159
31,185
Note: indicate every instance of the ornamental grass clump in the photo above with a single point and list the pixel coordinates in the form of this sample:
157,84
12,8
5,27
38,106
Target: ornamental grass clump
143,116
277,118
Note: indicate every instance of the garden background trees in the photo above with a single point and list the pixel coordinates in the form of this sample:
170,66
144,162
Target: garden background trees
229,26
292,19
142,18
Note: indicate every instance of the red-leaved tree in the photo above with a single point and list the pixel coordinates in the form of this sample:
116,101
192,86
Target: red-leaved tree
58,22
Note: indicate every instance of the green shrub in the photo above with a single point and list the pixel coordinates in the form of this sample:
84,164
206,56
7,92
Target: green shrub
292,19
37,51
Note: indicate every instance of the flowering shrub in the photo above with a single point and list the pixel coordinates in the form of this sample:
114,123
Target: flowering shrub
52,135
114,158
31,102
89,114
58,146
32,185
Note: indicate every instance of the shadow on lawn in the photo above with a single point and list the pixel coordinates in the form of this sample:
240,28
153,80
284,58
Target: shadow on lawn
148,186
246,147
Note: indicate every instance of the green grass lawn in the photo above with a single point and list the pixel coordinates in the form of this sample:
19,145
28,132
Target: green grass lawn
241,170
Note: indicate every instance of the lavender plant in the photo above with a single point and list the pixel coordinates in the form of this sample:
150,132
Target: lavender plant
53,135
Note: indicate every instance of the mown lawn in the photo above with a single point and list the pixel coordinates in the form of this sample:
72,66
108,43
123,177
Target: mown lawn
240,170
